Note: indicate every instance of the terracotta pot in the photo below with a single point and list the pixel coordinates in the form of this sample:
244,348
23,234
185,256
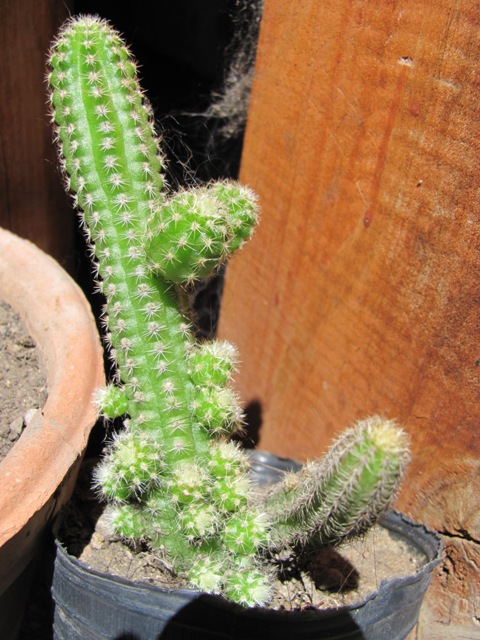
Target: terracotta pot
38,475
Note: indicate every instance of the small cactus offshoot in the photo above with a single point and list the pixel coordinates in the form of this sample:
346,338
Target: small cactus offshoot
172,476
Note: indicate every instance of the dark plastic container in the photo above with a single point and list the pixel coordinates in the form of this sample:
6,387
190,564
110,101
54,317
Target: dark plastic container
93,606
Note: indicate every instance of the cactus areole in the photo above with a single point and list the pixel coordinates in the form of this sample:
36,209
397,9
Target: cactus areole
171,476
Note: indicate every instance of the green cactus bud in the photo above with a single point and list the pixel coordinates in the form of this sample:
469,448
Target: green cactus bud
218,410
228,460
207,574
111,401
132,464
189,482
232,493
127,521
199,521
248,586
212,363
195,231
246,532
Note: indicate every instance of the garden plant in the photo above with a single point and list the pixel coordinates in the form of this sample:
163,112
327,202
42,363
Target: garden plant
172,476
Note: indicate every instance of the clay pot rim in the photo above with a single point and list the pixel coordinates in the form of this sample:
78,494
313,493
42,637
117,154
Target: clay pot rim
34,474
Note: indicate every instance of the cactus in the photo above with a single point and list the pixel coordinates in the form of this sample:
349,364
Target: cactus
171,475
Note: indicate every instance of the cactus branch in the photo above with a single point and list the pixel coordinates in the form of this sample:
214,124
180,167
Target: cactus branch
343,494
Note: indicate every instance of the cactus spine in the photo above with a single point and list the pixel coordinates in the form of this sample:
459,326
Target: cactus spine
171,475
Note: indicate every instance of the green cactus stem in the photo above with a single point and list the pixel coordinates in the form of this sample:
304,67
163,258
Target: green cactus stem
169,476
343,494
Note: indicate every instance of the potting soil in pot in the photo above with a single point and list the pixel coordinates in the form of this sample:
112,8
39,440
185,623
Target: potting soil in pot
22,378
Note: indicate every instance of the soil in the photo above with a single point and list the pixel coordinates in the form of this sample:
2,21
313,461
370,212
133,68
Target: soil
330,578
22,377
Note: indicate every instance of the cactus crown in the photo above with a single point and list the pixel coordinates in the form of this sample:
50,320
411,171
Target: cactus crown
171,476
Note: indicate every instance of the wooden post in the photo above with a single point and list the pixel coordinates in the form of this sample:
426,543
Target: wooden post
32,201
359,293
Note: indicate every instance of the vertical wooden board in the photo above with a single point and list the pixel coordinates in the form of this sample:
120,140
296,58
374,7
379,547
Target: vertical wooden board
32,200
359,292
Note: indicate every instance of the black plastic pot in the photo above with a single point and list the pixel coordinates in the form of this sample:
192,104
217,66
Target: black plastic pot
95,606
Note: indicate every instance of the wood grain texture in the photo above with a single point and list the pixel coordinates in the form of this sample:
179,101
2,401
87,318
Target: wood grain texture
359,292
32,200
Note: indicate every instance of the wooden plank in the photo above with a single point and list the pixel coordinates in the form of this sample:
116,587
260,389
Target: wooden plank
359,292
32,201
